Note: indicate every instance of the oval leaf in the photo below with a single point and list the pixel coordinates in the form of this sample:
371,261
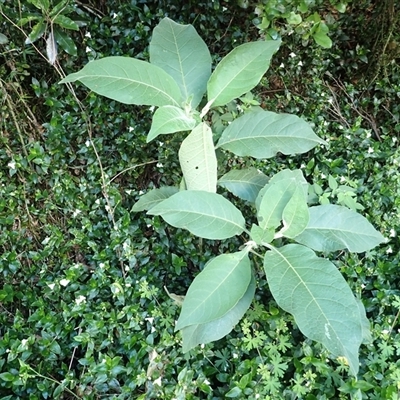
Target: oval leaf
198,160
36,33
65,22
315,293
152,198
333,228
128,81
170,119
205,214
194,335
240,71
244,183
65,42
181,52
262,134
216,290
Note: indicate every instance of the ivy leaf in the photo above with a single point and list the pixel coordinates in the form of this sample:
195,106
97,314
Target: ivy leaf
316,294
152,198
181,52
170,119
128,81
262,134
194,335
205,214
332,227
216,290
240,71
245,183
198,160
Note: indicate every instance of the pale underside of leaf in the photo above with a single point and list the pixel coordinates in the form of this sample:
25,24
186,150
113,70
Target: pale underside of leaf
262,134
216,290
194,335
154,197
332,227
205,214
128,81
198,160
316,294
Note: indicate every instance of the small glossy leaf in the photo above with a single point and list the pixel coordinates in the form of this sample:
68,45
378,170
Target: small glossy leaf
198,160
152,198
295,216
66,22
65,42
205,214
43,5
244,183
216,290
240,71
181,52
128,81
321,36
170,119
37,32
314,291
194,335
333,228
59,8
262,134
275,196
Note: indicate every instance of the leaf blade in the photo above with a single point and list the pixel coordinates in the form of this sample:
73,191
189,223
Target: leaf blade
205,214
128,81
154,197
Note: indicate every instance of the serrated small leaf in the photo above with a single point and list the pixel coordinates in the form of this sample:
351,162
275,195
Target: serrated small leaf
205,214
129,81
240,71
216,290
262,134
316,294
332,227
198,160
244,183
181,52
152,198
170,119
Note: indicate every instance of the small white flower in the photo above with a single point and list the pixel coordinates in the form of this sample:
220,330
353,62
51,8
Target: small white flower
131,128
385,331
159,165
88,49
76,213
80,299
235,355
11,165
114,15
389,250
88,35
87,143
370,150
342,179
392,233
158,381
102,265
300,63
152,108
150,319
368,134
323,176
161,144
141,192
64,282
202,345
292,54
97,201
302,166
282,65
51,285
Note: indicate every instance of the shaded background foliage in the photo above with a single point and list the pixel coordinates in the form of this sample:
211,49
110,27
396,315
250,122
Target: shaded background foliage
83,309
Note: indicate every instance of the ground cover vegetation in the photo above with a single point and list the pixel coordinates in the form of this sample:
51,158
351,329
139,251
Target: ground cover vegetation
84,313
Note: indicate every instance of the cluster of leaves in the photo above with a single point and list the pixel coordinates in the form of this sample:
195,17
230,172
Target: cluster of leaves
62,258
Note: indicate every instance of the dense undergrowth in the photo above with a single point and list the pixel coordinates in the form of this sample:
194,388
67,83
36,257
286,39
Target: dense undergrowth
83,312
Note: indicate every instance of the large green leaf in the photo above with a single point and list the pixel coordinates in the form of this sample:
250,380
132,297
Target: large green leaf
198,160
240,71
152,198
275,196
216,290
205,214
244,183
180,51
128,81
314,291
262,134
194,335
170,119
333,227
